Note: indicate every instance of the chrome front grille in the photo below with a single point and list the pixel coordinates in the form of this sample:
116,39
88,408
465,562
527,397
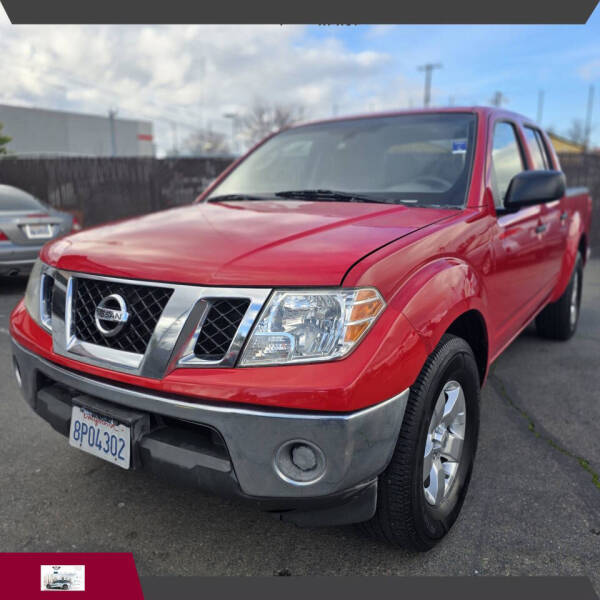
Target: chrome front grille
168,326
145,304
220,326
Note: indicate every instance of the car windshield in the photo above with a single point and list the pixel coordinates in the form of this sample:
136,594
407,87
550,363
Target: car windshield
421,159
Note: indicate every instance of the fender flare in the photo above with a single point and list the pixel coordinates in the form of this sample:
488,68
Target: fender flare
440,292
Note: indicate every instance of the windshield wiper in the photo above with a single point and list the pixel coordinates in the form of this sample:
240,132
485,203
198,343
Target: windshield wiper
328,195
226,197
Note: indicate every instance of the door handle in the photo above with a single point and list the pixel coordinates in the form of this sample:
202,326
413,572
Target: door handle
541,228
564,216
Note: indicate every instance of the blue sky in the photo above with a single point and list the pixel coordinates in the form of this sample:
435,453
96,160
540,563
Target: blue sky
479,60
185,78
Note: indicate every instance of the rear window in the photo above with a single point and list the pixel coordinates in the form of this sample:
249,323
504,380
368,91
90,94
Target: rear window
15,199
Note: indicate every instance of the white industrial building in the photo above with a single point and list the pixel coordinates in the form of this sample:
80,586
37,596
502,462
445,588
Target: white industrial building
41,132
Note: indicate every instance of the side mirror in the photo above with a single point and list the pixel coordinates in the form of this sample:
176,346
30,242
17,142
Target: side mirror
534,187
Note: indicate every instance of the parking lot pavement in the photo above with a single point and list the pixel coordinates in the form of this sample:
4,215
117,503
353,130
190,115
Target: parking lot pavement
533,507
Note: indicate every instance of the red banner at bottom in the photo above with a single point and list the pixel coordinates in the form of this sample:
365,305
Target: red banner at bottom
91,576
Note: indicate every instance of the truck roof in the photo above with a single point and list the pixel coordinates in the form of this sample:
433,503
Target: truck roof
483,111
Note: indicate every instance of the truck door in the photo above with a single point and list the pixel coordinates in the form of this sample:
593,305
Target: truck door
518,278
553,215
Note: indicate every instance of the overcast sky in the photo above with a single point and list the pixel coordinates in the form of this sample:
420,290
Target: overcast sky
183,77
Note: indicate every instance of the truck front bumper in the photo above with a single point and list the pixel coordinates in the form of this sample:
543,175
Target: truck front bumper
231,450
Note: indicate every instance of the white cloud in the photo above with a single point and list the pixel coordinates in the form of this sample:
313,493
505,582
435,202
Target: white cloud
590,71
186,74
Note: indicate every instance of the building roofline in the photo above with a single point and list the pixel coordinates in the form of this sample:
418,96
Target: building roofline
72,113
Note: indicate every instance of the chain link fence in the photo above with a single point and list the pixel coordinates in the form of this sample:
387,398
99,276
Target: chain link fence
98,190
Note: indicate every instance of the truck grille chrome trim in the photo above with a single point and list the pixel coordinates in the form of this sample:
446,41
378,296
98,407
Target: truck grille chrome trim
144,303
169,325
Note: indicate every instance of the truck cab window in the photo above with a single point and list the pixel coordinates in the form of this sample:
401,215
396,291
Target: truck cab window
507,160
536,150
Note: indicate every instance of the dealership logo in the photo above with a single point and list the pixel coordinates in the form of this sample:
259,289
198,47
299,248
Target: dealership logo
111,315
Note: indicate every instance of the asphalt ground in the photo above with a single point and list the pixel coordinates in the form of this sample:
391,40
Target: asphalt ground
533,507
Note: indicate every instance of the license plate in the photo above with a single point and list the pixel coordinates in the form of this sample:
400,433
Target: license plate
100,436
38,232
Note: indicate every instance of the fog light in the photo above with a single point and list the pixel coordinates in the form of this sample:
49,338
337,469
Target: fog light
300,462
304,457
18,374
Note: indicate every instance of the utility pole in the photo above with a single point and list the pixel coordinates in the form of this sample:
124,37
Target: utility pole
428,68
540,109
112,113
498,99
588,118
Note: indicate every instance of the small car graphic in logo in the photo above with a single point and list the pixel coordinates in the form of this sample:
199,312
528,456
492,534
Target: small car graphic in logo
111,315
59,584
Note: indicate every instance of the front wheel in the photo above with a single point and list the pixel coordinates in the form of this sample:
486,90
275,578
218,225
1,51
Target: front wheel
421,492
558,321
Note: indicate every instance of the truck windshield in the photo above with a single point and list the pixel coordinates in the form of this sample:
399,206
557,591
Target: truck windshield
416,159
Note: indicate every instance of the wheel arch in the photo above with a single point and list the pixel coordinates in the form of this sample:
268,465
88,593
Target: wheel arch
583,247
471,327
448,296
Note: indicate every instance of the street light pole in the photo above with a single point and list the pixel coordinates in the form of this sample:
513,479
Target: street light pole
428,68
540,109
233,116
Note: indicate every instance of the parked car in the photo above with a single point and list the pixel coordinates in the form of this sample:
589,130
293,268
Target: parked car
313,334
59,584
26,224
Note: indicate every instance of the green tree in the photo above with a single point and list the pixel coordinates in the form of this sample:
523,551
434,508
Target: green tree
4,139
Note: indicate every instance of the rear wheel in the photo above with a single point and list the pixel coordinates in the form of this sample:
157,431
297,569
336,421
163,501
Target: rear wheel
421,492
558,321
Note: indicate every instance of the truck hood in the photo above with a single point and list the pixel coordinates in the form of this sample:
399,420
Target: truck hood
250,243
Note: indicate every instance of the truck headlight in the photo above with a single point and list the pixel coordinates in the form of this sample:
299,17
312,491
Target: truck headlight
32,293
38,295
311,325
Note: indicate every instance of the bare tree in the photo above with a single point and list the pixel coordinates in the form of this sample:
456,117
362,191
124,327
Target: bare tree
263,119
576,133
205,142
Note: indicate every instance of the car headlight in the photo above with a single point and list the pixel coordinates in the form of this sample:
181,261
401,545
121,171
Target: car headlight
311,325
38,295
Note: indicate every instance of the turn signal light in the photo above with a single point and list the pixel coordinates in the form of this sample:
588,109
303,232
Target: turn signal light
367,305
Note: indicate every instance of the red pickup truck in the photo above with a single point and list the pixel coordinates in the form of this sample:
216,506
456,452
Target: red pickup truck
313,333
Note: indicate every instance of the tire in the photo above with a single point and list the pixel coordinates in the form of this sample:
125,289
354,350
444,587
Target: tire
404,516
558,321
